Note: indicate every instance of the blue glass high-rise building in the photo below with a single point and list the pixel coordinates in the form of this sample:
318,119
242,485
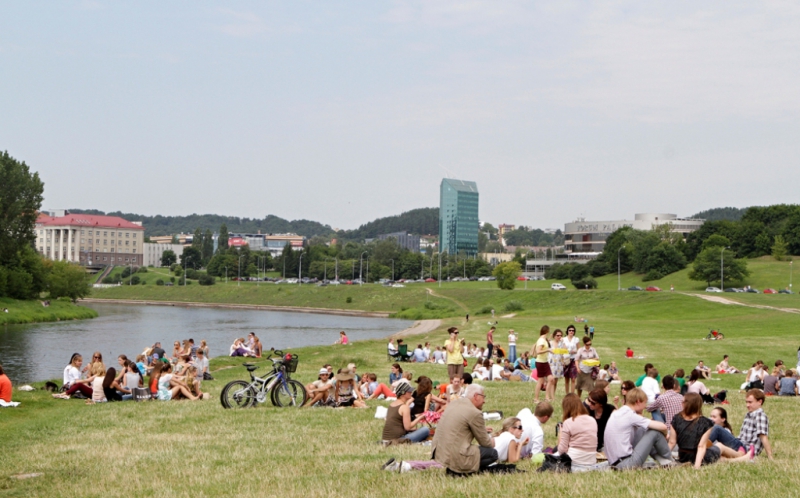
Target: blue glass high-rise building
458,217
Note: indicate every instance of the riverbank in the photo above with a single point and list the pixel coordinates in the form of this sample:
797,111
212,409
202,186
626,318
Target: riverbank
262,307
20,312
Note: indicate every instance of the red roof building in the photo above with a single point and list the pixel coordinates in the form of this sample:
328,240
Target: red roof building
90,239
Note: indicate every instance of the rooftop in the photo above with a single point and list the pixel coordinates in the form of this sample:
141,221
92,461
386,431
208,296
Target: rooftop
461,185
87,220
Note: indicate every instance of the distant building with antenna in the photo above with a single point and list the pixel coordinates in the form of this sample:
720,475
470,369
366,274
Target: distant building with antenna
458,217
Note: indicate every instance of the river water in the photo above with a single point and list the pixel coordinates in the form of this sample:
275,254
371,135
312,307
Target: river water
40,351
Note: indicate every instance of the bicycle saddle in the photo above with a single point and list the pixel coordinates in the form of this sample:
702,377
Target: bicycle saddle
250,367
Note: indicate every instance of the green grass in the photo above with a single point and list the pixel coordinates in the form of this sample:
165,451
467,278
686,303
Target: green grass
184,448
33,311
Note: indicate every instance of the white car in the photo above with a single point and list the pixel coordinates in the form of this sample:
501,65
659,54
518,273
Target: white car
398,286
713,289
557,286
334,282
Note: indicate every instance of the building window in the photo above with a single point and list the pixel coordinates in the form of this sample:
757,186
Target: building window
127,235
82,232
134,236
126,242
105,242
104,258
120,234
82,248
112,242
134,242
112,250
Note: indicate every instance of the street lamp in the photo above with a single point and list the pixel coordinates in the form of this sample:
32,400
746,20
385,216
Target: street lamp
239,282
360,268
791,270
226,274
325,276
722,269
336,268
258,270
300,274
619,281
393,270
440,270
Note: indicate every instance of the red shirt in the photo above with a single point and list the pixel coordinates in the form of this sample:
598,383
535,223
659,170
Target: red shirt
629,353
5,388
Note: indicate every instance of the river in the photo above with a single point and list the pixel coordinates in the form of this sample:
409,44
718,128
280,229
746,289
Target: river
40,351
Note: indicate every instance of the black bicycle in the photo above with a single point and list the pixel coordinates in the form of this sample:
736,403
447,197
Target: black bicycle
277,384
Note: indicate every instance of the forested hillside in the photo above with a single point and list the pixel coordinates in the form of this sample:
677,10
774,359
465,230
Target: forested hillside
721,214
422,221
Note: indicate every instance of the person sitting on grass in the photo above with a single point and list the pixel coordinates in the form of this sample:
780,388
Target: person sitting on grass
426,403
72,379
705,372
755,426
346,394
650,385
772,381
169,389
647,368
578,437
624,389
597,407
5,386
788,385
613,371
696,386
509,442
399,427
321,390
461,423
98,383
532,430
720,435
687,430
396,373
630,438
375,389
679,376
112,389
668,404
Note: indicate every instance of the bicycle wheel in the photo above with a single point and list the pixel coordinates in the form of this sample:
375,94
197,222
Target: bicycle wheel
237,394
289,393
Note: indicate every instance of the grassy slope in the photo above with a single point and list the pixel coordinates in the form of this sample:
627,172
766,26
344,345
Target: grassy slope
321,452
33,311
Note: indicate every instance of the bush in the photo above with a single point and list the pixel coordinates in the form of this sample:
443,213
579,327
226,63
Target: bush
111,280
142,269
513,306
178,271
144,282
172,279
652,275
431,305
126,272
192,274
485,310
349,299
585,283
135,280
173,266
206,280
159,282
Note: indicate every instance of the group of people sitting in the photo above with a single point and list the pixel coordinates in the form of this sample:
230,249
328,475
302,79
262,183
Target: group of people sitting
251,347
169,377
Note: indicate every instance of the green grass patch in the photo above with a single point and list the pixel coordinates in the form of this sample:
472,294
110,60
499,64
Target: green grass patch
33,311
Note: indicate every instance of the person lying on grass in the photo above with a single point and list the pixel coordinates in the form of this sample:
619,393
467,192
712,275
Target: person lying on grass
754,434
399,426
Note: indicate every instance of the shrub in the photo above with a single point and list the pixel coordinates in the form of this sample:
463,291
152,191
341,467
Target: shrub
485,310
172,279
135,280
192,274
159,282
585,283
206,280
513,306
652,275
144,282
142,269
126,272
173,266
111,280
349,299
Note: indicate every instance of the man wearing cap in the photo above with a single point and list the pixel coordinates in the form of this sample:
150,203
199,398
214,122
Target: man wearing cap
460,424
321,390
400,427
452,348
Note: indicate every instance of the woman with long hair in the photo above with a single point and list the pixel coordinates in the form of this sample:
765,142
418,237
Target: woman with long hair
72,379
586,359
540,351
571,371
626,386
112,387
556,361
578,437
508,442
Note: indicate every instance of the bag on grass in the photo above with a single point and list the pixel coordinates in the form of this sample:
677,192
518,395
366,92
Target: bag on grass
552,463
141,394
207,376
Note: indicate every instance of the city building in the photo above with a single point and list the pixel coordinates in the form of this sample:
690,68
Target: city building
90,239
458,217
589,237
154,251
405,240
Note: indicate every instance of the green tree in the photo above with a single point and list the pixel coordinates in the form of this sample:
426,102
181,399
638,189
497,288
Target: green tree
68,280
506,274
494,246
20,200
175,239
716,241
191,258
709,264
222,242
168,258
779,248
197,240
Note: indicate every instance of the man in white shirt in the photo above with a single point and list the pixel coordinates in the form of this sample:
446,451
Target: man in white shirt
532,428
497,370
630,438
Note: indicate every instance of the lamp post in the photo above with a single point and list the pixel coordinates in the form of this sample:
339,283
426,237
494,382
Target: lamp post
393,270
619,281
325,275
226,274
791,270
300,272
361,268
130,277
722,269
258,270
336,268
440,270
239,282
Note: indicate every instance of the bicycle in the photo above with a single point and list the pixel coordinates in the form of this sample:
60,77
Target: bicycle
714,335
282,390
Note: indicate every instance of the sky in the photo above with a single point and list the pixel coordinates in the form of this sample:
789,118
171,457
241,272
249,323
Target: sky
342,112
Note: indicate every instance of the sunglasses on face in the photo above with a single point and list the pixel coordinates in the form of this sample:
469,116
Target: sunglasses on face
517,427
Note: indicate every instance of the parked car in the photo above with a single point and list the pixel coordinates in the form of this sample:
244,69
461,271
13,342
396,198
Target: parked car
635,288
473,279
770,291
521,278
653,288
398,286
733,289
430,280
557,286
785,291
751,290
713,289
334,282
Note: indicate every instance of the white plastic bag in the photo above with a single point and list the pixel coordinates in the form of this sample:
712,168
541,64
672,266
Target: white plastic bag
381,411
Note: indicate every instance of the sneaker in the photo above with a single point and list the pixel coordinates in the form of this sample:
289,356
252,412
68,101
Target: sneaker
725,402
390,465
405,467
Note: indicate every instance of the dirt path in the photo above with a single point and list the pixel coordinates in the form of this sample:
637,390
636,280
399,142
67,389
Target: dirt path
458,303
419,327
724,300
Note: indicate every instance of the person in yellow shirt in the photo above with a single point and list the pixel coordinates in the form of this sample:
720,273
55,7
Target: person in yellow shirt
452,348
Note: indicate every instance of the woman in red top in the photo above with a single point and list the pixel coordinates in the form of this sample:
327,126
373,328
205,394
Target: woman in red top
5,386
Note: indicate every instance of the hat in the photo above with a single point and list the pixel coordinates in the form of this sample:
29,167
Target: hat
323,371
402,388
346,375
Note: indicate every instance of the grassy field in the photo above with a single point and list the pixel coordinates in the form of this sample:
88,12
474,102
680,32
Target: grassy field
200,449
33,311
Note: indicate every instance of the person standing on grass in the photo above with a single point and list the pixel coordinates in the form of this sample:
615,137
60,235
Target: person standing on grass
490,342
540,351
455,360
571,370
630,438
556,362
512,346
587,352
668,404
460,424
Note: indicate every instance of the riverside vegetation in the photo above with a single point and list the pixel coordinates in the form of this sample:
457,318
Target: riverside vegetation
186,448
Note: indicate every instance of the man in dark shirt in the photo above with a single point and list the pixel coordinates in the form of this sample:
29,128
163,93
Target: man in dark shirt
158,351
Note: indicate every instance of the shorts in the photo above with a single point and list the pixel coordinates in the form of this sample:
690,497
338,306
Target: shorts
543,370
454,370
584,382
346,402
